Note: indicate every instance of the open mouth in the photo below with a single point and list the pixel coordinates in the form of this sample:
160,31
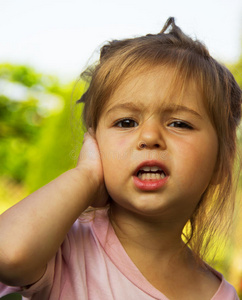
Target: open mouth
150,176
150,173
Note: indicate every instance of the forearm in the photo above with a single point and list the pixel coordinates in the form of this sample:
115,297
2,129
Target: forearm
32,231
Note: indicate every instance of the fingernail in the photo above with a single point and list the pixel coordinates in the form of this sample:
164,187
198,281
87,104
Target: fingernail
90,131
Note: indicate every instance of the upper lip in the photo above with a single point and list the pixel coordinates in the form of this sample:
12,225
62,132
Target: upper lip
151,163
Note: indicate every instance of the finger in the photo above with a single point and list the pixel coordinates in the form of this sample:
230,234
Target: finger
91,132
85,136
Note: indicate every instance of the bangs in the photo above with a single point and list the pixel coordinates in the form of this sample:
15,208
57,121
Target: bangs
184,66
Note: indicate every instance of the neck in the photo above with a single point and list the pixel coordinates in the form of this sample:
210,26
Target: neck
152,235
155,247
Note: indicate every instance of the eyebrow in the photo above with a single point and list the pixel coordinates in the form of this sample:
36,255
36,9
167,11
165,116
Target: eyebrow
125,106
177,107
167,108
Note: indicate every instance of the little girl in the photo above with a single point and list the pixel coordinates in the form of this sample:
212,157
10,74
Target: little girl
156,163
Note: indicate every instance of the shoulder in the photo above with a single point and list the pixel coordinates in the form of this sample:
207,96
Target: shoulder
66,271
225,290
87,230
84,227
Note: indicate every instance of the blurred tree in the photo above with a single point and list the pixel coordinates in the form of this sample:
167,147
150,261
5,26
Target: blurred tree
28,77
19,127
56,150
12,297
23,114
36,142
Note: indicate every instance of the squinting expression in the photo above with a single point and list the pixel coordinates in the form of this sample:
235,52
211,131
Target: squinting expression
158,151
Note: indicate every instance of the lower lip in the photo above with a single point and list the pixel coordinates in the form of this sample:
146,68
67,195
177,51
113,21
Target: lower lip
149,185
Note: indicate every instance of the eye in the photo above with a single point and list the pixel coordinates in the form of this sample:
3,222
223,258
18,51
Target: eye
126,123
180,124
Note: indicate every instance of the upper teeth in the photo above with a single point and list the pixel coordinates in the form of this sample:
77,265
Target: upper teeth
151,173
150,169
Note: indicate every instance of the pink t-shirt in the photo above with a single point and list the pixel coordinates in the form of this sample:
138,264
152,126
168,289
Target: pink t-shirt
91,264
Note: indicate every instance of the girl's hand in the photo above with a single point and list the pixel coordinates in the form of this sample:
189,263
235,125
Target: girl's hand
90,160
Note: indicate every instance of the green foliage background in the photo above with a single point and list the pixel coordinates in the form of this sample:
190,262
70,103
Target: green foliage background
36,137
38,141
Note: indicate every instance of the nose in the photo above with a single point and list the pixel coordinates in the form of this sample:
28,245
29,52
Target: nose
151,136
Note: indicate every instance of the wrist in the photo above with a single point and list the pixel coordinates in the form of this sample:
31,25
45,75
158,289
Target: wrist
87,179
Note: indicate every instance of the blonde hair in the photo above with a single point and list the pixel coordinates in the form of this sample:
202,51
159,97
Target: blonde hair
222,99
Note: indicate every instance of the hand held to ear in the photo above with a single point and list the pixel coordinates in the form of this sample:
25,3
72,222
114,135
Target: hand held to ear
32,231
90,160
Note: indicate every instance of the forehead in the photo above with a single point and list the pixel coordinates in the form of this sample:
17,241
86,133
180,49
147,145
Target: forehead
155,87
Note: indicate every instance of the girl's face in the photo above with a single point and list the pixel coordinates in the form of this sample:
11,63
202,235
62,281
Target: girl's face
158,150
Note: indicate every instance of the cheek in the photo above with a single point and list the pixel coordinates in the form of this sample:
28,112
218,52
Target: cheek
197,161
122,142
114,149
115,154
